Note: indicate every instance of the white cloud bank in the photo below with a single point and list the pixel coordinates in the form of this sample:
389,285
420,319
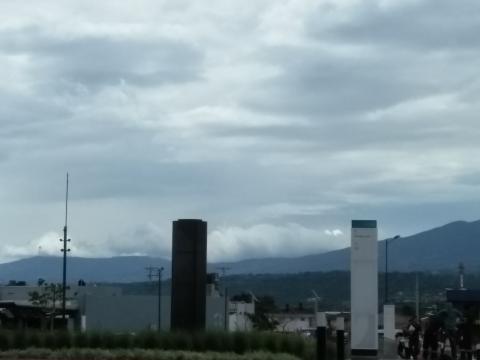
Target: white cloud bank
224,243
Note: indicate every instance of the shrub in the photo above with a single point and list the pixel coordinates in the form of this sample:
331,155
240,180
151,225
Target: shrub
199,341
255,341
34,340
240,342
4,341
181,341
63,339
124,341
136,354
19,340
210,341
150,340
213,341
109,340
299,346
80,340
225,341
49,340
286,344
147,340
94,340
271,343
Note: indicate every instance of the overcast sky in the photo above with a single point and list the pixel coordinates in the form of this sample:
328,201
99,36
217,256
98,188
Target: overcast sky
275,121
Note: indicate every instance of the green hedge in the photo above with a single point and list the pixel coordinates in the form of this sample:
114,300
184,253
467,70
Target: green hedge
135,354
214,341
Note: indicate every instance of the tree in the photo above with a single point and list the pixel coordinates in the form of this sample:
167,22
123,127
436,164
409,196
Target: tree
261,319
46,299
245,297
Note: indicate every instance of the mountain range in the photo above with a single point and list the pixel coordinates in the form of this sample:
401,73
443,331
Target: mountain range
441,248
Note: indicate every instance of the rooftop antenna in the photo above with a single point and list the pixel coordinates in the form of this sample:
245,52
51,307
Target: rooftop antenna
65,240
254,298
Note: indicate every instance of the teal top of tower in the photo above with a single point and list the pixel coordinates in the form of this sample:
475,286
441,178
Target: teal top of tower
364,224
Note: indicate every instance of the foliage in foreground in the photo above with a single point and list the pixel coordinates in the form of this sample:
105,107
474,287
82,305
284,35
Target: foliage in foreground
135,354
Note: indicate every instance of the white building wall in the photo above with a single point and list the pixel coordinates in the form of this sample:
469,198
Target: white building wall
364,287
239,316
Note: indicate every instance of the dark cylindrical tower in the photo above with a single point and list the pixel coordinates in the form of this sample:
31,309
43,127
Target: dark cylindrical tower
189,274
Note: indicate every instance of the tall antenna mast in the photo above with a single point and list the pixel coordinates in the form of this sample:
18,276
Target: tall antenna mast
65,250
66,205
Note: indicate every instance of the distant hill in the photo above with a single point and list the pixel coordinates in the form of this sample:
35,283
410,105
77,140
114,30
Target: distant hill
120,269
441,248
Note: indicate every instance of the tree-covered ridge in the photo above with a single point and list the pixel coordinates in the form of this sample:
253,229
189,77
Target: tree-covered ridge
333,287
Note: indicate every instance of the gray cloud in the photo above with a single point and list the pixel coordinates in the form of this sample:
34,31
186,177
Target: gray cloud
96,61
425,25
313,83
276,122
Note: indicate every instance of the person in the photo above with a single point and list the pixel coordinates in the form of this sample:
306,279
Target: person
413,332
403,347
430,338
464,340
448,333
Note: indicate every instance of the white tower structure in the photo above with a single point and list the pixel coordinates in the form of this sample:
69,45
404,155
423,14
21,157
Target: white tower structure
364,288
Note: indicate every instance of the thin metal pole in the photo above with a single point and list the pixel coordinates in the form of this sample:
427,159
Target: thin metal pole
386,273
386,266
417,296
160,299
64,282
226,308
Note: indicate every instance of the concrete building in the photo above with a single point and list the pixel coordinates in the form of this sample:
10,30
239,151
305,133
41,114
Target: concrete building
294,322
189,274
99,308
239,316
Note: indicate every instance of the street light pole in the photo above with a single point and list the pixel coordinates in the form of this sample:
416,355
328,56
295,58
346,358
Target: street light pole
386,268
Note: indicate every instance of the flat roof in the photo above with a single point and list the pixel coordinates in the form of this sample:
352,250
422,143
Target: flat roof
463,295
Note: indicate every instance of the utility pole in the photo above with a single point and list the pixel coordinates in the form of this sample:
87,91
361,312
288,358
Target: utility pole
157,272
224,269
65,240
